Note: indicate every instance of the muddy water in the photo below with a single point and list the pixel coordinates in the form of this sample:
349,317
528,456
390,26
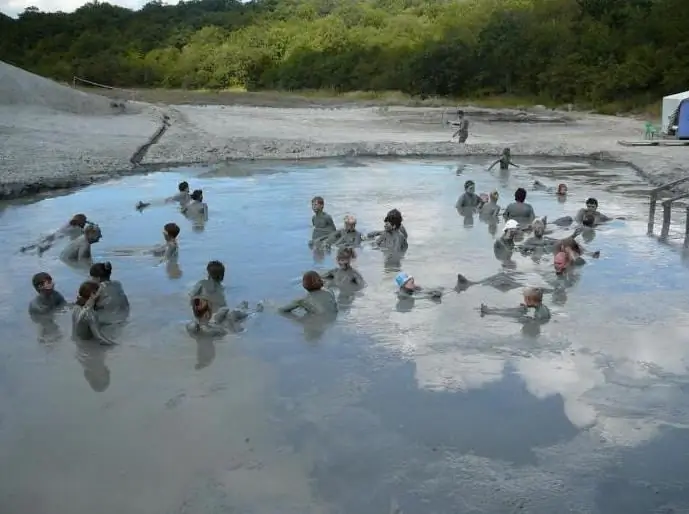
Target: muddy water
434,409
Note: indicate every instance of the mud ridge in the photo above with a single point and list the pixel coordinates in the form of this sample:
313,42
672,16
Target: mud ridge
140,153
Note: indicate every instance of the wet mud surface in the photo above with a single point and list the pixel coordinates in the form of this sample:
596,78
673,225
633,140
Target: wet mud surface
430,410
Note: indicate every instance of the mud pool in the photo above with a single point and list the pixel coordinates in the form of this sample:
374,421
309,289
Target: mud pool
434,410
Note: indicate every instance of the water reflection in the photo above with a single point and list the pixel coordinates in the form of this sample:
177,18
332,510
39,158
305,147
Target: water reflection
430,408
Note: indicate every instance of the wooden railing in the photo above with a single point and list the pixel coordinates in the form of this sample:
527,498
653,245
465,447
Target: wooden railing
667,210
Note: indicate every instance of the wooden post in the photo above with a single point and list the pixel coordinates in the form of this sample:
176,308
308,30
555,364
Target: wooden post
652,212
686,231
667,216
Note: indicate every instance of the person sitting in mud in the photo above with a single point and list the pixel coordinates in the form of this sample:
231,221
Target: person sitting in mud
407,288
80,248
85,323
538,240
469,199
318,301
392,239
504,245
323,224
47,299
196,209
348,236
501,281
490,208
73,229
112,303
505,160
533,299
378,233
218,324
212,288
462,125
344,275
182,197
170,248
519,210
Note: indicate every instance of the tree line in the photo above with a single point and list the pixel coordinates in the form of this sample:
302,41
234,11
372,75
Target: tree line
580,51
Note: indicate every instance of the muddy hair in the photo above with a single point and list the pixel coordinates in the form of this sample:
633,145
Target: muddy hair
534,292
200,307
183,186
216,270
172,229
197,195
86,291
520,195
592,201
318,199
588,219
101,271
346,254
78,220
39,278
312,281
570,243
394,217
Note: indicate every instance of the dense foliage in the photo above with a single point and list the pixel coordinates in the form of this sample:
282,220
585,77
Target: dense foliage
594,51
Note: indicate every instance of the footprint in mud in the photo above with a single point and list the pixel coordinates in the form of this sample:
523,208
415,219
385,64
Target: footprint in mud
175,401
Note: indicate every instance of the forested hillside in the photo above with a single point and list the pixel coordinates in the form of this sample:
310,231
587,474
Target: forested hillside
592,51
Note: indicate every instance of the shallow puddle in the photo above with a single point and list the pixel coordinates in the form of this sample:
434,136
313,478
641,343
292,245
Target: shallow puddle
432,410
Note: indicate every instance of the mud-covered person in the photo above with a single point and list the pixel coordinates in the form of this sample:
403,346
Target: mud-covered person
503,248
532,303
182,197
408,289
344,276
490,209
79,249
323,224
469,199
112,304
47,299
85,323
462,124
196,209
211,288
519,210
347,236
392,239
392,212
505,160
73,229
209,322
169,249
318,301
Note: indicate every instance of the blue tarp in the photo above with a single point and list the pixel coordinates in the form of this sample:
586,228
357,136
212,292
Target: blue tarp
683,120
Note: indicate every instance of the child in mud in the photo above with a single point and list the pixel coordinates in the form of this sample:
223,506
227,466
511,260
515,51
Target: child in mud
318,301
378,233
392,238
538,240
504,245
80,248
344,275
47,300
348,236
73,229
519,210
574,250
85,322
533,299
560,191
469,199
407,289
218,324
196,208
490,208
170,248
212,288
462,125
182,198
591,209
323,224
112,303
505,160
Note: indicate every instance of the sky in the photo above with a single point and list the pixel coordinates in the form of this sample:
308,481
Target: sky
14,7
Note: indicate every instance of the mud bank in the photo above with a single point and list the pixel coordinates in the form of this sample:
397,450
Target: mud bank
49,140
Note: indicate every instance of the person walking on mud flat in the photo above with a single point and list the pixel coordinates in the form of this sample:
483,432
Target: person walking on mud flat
505,160
462,125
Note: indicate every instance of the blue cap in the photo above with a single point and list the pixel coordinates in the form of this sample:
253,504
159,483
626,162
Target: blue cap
402,278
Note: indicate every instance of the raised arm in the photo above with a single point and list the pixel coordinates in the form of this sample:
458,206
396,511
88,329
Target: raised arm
292,306
493,165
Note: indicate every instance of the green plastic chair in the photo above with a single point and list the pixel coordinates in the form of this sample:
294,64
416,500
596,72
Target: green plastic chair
650,130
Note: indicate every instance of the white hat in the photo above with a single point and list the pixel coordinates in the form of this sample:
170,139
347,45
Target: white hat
511,225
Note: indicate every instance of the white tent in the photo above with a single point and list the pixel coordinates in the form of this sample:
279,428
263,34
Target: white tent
670,105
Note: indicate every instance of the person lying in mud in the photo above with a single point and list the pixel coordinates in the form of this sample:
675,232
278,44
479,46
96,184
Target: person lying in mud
393,239
347,236
196,209
505,160
47,299
224,320
519,210
462,124
469,199
344,276
323,224
504,245
533,299
167,251
489,208
318,301
112,304
560,190
73,229
407,289
378,233
85,323
182,197
211,288
501,281
79,250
